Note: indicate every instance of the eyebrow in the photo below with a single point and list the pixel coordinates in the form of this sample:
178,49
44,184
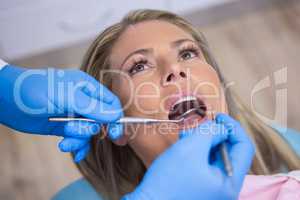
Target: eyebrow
148,51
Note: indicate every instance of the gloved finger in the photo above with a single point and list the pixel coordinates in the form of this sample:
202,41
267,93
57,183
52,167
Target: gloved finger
93,109
56,128
186,133
72,144
241,148
81,129
206,129
201,129
236,131
217,160
218,134
81,153
205,136
97,90
115,131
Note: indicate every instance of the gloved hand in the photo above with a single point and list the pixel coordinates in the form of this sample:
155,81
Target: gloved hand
192,168
29,97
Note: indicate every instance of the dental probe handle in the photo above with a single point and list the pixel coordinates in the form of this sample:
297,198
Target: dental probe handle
226,160
68,119
225,156
137,120
123,120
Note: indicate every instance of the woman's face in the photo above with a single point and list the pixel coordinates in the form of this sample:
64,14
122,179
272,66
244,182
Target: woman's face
161,66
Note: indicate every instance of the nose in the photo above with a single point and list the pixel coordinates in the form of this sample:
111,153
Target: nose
175,74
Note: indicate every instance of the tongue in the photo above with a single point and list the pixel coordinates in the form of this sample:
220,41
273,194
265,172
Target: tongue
181,108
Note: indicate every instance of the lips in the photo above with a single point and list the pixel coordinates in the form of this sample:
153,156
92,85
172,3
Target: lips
186,106
181,103
176,98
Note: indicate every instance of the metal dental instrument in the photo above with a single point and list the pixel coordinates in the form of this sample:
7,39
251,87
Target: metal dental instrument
225,156
125,120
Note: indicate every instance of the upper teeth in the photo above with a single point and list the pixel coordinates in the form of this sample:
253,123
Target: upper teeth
186,98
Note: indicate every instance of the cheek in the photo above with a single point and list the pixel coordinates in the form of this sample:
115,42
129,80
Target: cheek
205,81
140,95
146,97
205,78
123,87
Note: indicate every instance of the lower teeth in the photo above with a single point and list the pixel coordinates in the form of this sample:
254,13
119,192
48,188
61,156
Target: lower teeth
197,111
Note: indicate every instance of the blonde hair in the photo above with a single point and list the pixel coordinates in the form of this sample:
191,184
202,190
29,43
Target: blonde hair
114,170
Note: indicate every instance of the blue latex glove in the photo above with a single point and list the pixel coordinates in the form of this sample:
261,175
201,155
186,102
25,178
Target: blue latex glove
192,168
30,96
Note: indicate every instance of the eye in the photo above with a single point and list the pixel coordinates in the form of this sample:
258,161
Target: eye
138,66
189,52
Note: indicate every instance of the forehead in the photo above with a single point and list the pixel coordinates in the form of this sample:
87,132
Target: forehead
149,34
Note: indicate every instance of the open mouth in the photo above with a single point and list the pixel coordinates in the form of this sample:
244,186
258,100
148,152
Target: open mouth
184,105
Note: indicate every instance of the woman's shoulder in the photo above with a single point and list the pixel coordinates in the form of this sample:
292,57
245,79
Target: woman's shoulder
80,189
279,186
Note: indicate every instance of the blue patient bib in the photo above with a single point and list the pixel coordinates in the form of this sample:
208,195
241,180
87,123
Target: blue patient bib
78,190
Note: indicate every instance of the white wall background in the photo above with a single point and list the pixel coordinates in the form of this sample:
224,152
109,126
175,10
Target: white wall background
31,27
